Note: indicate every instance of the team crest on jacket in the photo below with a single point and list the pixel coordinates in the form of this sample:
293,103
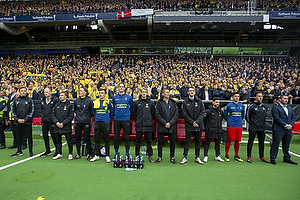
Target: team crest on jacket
147,105
65,108
196,104
125,98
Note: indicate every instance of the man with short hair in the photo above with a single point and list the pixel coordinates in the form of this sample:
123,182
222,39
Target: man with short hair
122,103
166,113
213,128
47,104
193,114
22,111
283,122
234,113
143,112
62,116
256,117
103,111
83,113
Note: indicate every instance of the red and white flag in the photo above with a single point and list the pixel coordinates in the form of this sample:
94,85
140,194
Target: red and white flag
124,14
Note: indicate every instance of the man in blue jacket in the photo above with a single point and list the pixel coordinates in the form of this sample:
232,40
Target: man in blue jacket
122,103
234,113
283,122
103,111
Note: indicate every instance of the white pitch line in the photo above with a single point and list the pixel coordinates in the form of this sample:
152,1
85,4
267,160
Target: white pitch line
294,154
26,159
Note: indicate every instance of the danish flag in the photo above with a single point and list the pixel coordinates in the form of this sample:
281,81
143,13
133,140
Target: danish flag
124,14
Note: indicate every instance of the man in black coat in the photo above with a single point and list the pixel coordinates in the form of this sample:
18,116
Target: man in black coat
193,114
143,112
47,104
62,116
22,111
166,113
213,128
83,107
256,117
296,94
283,122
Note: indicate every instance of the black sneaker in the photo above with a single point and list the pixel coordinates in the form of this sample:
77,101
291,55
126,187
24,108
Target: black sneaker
13,146
2,147
88,157
17,154
172,160
77,157
47,153
30,154
158,160
151,159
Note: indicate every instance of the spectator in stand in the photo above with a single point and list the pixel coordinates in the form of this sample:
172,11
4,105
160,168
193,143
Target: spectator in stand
206,94
244,96
218,92
228,93
296,94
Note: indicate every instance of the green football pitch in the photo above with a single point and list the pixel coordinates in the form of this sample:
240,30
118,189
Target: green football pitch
80,179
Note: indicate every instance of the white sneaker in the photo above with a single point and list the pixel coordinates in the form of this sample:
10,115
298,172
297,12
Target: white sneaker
94,158
199,161
57,156
205,158
219,159
184,160
70,157
107,159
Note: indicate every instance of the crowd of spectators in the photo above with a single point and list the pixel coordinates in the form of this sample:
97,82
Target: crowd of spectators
46,7
211,77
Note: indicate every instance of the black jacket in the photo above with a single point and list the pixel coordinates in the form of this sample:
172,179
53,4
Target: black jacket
256,116
23,108
244,96
63,113
227,95
202,94
83,110
47,109
193,111
213,122
161,116
143,112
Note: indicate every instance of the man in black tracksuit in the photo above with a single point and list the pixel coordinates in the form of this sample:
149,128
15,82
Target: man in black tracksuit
256,117
22,111
213,128
83,107
62,116
193,114
166,113
47,104
143,113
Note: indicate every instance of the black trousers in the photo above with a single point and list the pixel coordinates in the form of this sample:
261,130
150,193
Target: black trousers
286,137
59,142
197,135
261,139
13,129
148,136
217,146
24,130
161,143
125,125
101,127
2,136
46,128
86,128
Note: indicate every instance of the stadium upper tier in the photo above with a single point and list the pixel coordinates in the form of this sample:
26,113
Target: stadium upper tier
46,7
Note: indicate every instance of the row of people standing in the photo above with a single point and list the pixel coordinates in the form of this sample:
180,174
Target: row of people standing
143,111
